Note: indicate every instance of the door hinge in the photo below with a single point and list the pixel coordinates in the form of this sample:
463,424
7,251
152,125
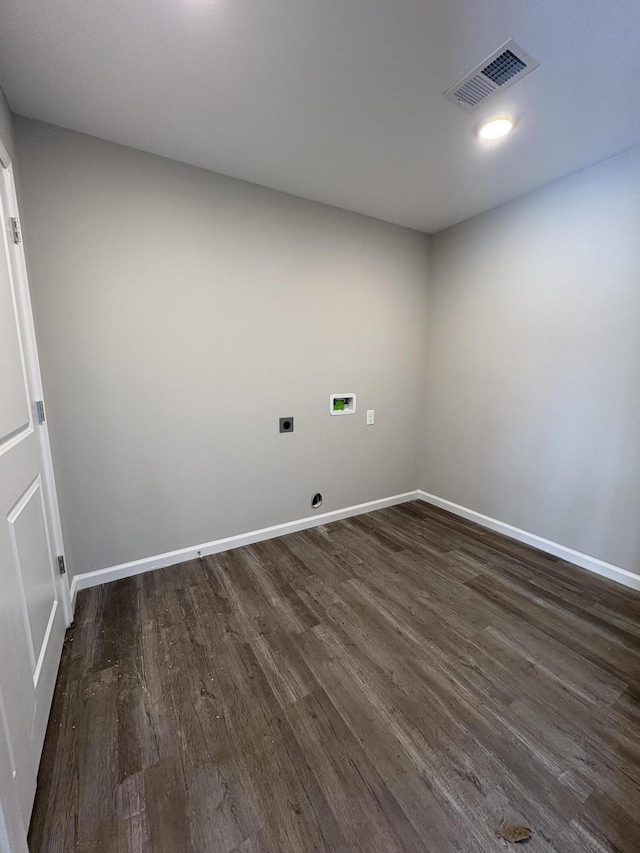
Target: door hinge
40,411
15,229
61,567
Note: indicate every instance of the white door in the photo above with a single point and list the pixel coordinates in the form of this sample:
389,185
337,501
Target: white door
34,604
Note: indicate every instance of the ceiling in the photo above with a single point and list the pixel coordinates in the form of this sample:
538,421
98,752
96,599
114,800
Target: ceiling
339,101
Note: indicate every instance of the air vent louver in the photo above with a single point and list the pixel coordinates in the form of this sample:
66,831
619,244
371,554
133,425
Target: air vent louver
499,71
504,67
474,91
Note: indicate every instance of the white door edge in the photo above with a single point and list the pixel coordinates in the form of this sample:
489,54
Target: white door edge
34,379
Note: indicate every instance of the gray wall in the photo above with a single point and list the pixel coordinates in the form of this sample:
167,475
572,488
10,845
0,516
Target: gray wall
6,126
533,363
179,314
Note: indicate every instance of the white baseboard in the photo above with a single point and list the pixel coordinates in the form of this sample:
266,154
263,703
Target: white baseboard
608,570
170,558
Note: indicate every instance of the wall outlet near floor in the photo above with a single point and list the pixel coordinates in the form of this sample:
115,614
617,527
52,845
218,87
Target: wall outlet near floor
370,417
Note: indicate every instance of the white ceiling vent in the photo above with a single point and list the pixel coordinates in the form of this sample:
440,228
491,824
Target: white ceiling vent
499,71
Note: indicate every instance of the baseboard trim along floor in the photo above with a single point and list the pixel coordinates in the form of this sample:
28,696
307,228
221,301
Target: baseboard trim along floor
170,558
147,564
592,564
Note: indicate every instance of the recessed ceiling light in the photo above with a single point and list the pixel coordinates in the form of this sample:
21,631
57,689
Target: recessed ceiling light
494,128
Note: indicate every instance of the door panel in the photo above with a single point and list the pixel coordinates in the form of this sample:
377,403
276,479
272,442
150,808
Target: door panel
31,616
32,563
14,701
14,411
12,832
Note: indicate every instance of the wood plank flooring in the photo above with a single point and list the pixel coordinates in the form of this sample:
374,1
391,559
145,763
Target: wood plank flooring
400,681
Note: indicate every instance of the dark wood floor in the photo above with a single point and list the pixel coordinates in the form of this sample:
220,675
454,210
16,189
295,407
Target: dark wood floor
400,681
